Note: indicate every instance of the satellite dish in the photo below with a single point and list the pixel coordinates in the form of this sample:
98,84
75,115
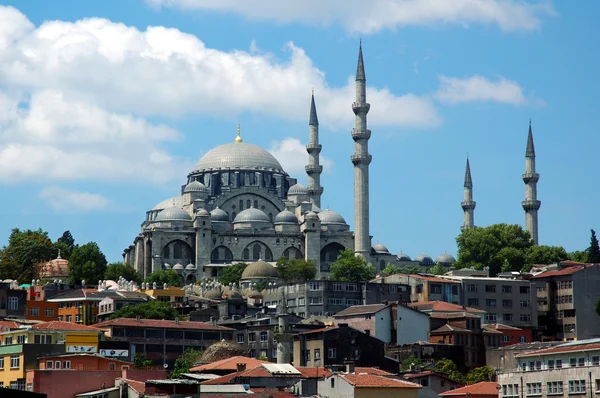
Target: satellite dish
166,365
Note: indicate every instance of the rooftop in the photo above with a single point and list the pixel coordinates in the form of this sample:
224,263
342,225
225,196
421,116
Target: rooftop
361,310
160,323
447,328
64,326
564,271
83,294
483,388
537,345
442,306
499,326
229,364
359,380
575,346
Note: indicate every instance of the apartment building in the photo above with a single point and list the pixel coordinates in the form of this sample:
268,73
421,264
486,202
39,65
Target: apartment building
565,301
424,287
110,304
571,368
13,301
80,305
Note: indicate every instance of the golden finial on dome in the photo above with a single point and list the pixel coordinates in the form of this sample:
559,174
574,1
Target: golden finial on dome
239,137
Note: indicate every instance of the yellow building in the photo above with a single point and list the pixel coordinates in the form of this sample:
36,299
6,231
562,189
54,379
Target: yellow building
169,295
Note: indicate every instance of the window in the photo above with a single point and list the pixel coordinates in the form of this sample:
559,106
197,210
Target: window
331,353
77,318
315,300
112,366
596,360
490,317
555,387
15,362
505,338
29,386
351,287
13,303
263,354
307,355
525,304
490,302
332,382
350,302
43,339
8,340
506,289
550,364
337,286
1,363
35,311
558,363
510,390
473,302
436,289
317,353
69,318
538,365
21,339
506,303
525,317
576,386
425,382
301,301
49,364
573,362
67,364
264,336
581,362
335,301
490,288
314,286
57,365
524,289
240,339
251,337
291,302
507,317
522,339
472,288
534,388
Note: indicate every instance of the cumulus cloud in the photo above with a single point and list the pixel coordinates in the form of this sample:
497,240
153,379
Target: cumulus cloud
292,155
163,71
62,199
477,88
360,16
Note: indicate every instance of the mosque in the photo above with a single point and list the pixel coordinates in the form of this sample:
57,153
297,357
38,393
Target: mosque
239,205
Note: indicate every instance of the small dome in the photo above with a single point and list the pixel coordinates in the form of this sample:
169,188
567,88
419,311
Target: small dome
190,267
328,217
424,259
195,186
222,350
311,216
286,217
167,266
212,295
251,215
219,215
259,270
232,294
380,249
178,266
173,214
445,258
203,213
297,189
403,257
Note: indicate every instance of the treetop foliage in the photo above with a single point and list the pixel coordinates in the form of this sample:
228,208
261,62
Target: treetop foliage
115,270
168,276
593,252
232,274
392,269
149,310
87,262
25,251
296,270
351,268
185,362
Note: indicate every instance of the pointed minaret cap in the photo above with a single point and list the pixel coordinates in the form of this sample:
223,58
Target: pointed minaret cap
360,68
239,135
530,152
468,180
314,120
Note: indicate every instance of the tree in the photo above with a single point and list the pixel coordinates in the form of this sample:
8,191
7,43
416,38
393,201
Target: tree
506,267
392,269
477,375
66,244
544,255
410,363
87,263
351,268
437,269
26,249
168,276
185,362
115,270
578,255
449,368
296,270
149,310
140,361
593,252
232,274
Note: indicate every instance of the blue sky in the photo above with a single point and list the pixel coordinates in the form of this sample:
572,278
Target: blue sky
105,107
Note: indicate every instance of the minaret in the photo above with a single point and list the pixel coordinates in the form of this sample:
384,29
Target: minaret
313,168
531,205
361,160
468,205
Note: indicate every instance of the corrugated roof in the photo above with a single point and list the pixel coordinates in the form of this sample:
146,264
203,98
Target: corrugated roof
483,388
361,310
561,272
359,380
578,346
137,385
160,323
281,369
452,315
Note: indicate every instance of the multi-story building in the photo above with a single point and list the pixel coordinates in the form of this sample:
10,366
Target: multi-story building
171,294
80,305
571,369
411,325
374,319
510,334
366,385
505,357
13,301
324,297
73,336
424,287
16,358
110,304
566,300
38,308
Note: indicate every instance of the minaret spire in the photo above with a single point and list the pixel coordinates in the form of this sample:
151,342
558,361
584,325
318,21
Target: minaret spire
361,160
531,204
468,205
313,168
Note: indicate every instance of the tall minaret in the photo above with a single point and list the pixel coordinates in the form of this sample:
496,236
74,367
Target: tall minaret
313,168
468,205
361,160
531,205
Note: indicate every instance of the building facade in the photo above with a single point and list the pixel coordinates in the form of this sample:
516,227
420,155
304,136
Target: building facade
426,287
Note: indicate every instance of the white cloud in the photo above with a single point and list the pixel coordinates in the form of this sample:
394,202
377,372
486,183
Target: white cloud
62,199
478,88
292,155
360,16
166,72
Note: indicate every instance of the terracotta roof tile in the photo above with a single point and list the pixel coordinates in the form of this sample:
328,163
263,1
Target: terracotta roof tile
499,326
229,364
61,325
9,325
160,323
137,385
372,371
223,379
313,373
447,328
361,310
560,272
442,306
367,380
452,315
483,388
569,347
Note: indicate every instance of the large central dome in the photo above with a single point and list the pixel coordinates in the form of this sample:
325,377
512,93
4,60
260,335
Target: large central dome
239,155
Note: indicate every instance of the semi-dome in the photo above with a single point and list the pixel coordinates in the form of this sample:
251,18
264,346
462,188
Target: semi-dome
328,217
311,216
190,267
424,259
297,189
219,215
259,270
380,249
203,213
403,257
445,258
173,214
238,155
251,215
286,217
195,186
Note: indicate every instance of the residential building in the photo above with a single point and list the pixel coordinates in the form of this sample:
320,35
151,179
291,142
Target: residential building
110,304
442,307
228,365
325,297
566,299
433,383
80,305
360,385
566,369
374,319
171,294
510,334
428,352
15,358
424,287
505,357
73,337
334,345
13,300
411,325
163,341
38,308
484,389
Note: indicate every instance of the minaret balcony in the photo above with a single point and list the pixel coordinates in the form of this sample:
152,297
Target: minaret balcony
315,190
361,159
313,168
313,148
531,177
468,205
360,107
361,134
531,205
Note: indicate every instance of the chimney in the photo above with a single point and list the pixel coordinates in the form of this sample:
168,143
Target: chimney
177,320
137,319
349,366
241,367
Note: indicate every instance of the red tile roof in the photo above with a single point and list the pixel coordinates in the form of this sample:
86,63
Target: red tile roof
229,364
314,373
325,329
366,380
9,325
426,373
447,328
260,372
499,326
372,371
361,310
441,306
223,379
158,323
66,326
452,315
270,392
138,386
483,388
569,347
560,272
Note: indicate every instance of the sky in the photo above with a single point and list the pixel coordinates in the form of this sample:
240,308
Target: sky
105,107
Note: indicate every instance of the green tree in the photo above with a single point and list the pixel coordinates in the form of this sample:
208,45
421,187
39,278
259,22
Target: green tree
506,267
410,362
593,252
169,276
232,274
477,375
296,270
351,268
87,263
115,270
185,362
66,244
437,269
578,255
25,251
544,255
149,310
449,368
140,361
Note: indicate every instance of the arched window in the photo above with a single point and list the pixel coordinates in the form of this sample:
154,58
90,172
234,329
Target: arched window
256,204
292,253
190,279
166,252
268,255
256,252
381,265
177,250
246,255
329,253
248,203
232,215
221,255
241,205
